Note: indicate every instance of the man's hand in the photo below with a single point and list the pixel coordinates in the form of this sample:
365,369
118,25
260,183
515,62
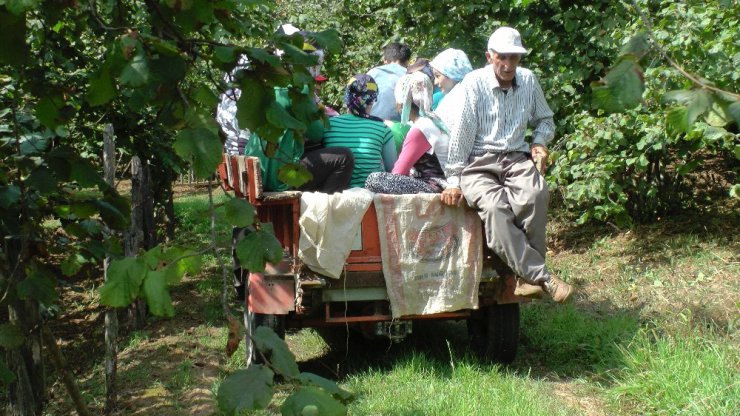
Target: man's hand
452,196
540,155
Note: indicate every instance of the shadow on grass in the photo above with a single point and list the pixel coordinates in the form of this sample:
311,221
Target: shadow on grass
555,341
567,235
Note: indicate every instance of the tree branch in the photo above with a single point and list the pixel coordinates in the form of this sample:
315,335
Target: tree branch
673,63
61,367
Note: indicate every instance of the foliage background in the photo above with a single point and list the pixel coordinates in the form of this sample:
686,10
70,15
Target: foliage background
636,165
153,70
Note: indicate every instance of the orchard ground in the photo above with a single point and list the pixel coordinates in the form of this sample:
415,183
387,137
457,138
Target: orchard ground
652,330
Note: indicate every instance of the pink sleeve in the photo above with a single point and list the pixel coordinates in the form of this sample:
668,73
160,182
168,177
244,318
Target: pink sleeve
414,146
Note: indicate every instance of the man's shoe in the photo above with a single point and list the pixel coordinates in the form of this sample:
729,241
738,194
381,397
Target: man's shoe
527,290
558,290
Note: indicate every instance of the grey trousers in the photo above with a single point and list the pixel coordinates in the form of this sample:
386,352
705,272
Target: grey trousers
511,198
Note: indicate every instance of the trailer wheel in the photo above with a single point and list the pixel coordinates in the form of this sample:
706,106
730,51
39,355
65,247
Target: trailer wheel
254,320
493,332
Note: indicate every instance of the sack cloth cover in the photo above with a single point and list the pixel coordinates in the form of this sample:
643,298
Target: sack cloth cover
431,253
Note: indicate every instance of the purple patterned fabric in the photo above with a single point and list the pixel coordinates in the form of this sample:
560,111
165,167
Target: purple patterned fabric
361,92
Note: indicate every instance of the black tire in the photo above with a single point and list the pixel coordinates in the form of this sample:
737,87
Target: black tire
493,332
254,320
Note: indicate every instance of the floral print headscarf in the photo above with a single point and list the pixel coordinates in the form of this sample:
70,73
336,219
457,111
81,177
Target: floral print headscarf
361,92
416,88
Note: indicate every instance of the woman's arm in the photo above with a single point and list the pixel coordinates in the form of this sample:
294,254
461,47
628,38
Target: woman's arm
414,147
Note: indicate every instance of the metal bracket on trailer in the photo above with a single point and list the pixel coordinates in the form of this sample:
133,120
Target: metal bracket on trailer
274,294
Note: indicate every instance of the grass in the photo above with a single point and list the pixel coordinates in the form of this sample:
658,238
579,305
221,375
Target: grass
573,342
673,374
421,385
652,330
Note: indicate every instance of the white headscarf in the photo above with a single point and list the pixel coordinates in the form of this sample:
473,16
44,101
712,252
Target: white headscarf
416,88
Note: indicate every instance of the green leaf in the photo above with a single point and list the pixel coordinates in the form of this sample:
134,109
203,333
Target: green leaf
735,191
169,69
38,285
9,196
258,248
734,110
205,96
225,54
638,45
621,88
202,148
14,50
84,228
296,56
275,76
199,118
294,174
677,119
124,281
239,212
6,376
276,351
19,6
281,118
34,144
697,102
162,46
180,261
682,97
10,336
152,257
312,401
718,115
249,389
261,55
113,215
250,112
102,88
84,173
136,72
72,264
329,39
156,294
698,106
47,111
331,387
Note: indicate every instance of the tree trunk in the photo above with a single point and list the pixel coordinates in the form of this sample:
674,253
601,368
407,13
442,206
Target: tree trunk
135,234
111,317
27,393
169,213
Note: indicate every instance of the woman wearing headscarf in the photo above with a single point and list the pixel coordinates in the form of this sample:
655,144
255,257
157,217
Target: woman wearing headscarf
449,67
425,146
369,139
399,129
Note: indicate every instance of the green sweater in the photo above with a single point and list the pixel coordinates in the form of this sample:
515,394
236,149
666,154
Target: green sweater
289,149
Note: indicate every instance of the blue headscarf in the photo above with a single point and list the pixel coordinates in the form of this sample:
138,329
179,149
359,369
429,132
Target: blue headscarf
452,63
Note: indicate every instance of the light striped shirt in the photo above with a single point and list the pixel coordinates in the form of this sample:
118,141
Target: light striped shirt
483,118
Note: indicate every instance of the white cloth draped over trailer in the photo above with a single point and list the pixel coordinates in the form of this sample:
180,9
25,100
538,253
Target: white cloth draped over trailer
432,254
329,225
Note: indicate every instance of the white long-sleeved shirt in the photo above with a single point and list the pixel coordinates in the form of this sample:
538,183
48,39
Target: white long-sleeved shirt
483,118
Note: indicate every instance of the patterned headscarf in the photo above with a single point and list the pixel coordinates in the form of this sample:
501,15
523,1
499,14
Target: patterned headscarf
452,63
361,91
416,88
